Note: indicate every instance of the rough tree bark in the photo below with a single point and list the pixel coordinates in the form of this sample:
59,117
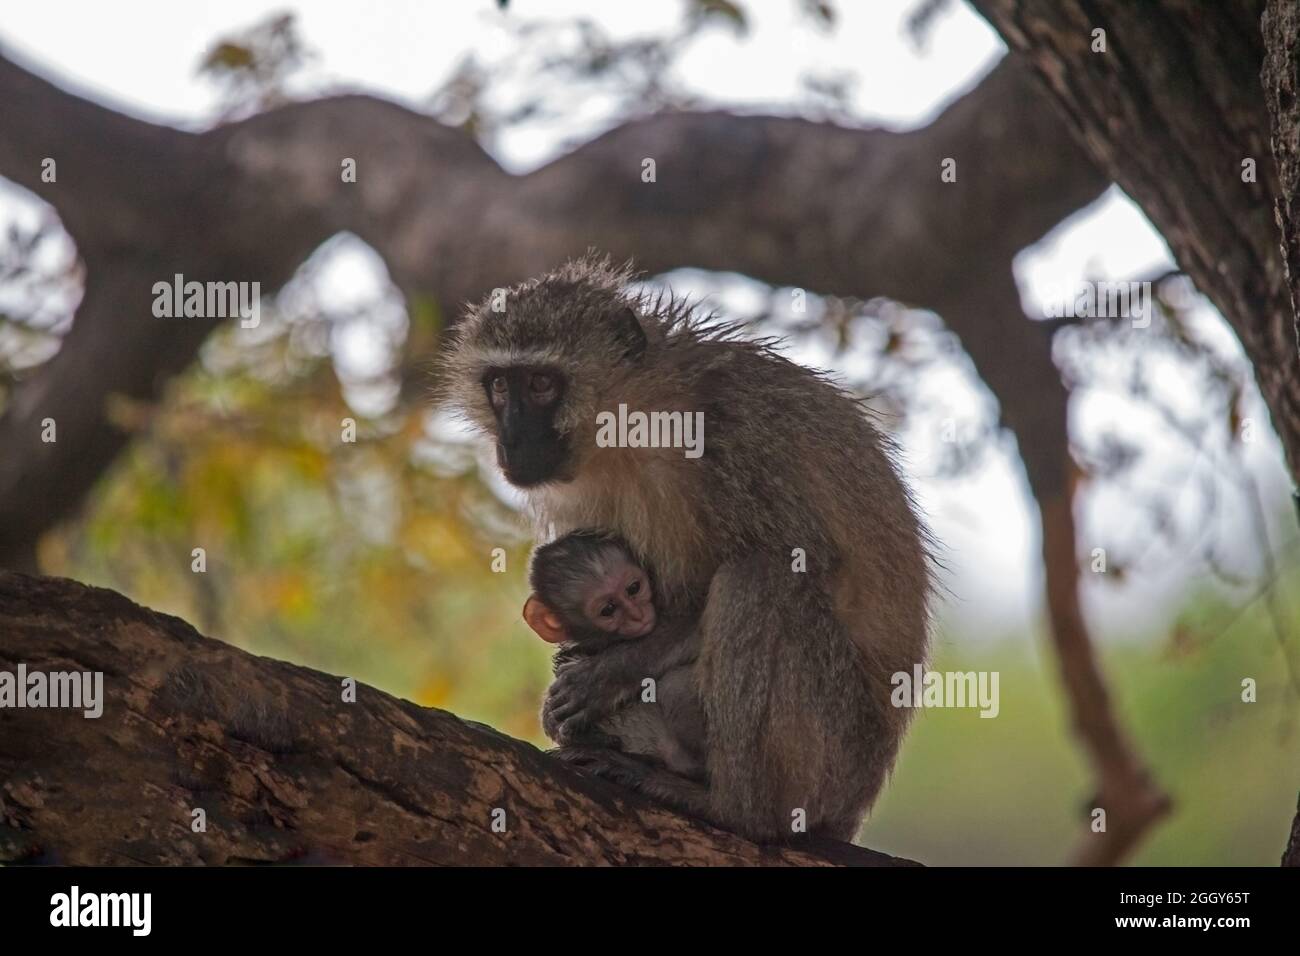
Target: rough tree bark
285,770
1281,77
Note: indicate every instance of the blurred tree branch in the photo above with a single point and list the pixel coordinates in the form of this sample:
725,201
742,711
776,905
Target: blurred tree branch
285,771
847,211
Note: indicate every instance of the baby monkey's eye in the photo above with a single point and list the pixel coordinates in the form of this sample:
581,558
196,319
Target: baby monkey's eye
608,610
634,588
541,382
499,384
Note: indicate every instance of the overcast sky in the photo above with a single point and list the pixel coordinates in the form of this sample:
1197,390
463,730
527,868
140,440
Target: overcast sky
141,58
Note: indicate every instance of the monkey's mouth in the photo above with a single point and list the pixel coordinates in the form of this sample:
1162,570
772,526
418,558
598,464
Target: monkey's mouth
529,467
525,478
644,628
527,464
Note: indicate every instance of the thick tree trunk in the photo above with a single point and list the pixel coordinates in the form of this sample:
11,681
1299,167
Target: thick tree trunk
284,770
1281,27
1175,111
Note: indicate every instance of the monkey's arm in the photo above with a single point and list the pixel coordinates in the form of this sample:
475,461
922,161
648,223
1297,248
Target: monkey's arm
799,732
591,687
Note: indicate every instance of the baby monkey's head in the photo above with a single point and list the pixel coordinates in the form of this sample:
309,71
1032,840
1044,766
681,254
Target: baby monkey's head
589,585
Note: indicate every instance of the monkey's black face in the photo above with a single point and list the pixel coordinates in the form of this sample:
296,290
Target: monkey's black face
524,400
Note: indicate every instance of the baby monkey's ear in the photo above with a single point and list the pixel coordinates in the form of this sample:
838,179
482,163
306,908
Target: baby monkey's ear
544,621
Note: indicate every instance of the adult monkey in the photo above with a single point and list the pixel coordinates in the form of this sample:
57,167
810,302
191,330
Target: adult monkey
791,537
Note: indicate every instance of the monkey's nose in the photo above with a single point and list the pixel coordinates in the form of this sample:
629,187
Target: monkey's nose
639,617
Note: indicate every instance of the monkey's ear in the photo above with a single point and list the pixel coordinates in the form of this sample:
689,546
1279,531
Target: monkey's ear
542,620
628,328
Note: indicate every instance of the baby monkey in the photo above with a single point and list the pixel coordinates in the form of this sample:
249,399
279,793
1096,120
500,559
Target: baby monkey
587,585
589,590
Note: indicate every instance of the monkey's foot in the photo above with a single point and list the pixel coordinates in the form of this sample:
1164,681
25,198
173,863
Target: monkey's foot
685,796
610,765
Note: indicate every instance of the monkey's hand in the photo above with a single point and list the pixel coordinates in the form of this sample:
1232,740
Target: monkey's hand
590,687
579,698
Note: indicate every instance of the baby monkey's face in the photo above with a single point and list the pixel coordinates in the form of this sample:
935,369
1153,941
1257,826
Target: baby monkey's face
620,601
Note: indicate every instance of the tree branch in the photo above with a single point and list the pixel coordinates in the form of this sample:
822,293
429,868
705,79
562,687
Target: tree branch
854,212
284,770
1171,111
1035,406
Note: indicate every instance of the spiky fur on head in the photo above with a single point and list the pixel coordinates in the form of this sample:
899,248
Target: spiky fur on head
565,319
575,320
572,319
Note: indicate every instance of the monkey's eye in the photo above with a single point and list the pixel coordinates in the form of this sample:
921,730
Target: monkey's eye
542,386
498,390
608,610
634,588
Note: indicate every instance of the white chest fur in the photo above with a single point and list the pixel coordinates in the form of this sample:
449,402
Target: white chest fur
649,506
